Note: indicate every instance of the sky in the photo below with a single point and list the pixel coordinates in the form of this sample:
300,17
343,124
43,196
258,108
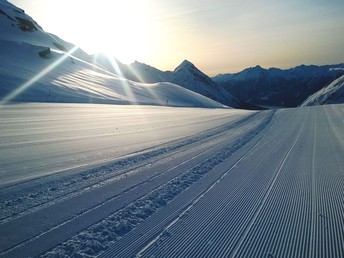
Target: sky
218,36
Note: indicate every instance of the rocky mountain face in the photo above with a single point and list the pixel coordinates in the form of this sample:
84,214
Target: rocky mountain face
275,87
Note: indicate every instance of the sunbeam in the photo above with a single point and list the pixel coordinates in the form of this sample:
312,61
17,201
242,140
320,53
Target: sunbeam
124,82
37,77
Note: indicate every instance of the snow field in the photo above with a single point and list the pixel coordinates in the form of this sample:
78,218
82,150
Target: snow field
75,202
267,184
41,139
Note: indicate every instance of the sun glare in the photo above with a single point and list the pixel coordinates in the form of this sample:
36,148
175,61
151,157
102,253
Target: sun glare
119,28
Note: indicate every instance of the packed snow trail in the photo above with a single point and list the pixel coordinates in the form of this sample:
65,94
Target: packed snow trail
283,199
234,184
33,223
41,139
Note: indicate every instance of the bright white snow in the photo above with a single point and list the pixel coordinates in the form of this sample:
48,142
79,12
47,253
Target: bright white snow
40,139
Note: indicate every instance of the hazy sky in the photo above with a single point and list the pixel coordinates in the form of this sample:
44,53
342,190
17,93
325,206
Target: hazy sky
218,36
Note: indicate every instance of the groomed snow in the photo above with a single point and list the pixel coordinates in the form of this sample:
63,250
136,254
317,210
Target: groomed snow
227,183
41,139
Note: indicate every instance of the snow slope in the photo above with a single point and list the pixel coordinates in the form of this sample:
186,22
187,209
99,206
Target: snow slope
186,75
229,184
35,67
331,94
17,26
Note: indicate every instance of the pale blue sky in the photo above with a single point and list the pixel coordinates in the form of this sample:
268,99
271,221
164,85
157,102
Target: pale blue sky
216,35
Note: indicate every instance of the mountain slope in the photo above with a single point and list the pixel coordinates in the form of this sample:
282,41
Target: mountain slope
331,94
186,75
17,26
35,66
276,87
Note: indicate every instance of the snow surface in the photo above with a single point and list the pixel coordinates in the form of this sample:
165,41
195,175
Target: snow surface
41,139
227,183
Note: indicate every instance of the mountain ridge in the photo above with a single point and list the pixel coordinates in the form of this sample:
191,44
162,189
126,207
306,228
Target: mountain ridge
186,74
276,87
253,88
37,66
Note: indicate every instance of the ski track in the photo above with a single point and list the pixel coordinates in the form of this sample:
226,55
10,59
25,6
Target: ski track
285,201
80,210
55,189
268,184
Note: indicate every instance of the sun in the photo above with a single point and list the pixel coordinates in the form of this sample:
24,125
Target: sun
122,29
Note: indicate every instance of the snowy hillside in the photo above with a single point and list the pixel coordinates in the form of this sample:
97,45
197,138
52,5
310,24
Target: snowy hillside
17,26
186,75
276,87
331,94
59,78
35,67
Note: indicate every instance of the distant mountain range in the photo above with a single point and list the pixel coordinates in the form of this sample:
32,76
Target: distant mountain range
22,40
253,88
275,87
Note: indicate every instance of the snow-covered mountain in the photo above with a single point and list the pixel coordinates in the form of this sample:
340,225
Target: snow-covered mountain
17,26
186,75
276,87
38,66
331,94
190,77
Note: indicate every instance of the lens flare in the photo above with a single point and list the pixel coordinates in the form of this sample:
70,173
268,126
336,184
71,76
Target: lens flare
37,77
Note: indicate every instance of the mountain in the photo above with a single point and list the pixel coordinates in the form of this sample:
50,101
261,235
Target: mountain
37,66
17,26
186,75
331,94
190,77
276,87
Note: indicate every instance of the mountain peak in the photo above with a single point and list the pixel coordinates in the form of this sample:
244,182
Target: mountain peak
186,64
258,67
